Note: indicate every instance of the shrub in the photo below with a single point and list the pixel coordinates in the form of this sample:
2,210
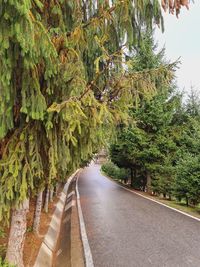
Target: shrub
114,171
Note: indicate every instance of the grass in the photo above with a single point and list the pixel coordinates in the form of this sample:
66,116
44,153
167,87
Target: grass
194,211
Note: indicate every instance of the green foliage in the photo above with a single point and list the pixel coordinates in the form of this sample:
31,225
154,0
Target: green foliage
148,146
113,171
2,233
163,139
144,146
187,181
65,83
5,264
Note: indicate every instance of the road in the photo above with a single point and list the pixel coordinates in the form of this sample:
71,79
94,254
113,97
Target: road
126,230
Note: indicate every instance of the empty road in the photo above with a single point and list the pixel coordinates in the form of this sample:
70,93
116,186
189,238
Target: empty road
126,230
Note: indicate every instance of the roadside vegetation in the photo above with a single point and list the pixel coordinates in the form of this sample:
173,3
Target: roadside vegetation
161,144
115,172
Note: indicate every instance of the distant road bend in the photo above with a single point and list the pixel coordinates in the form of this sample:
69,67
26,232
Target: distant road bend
126,230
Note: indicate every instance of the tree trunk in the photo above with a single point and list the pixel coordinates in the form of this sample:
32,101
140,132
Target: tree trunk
187,201
132,177
51,194
37,215
135,175
18,226
46,204
57,189
148,183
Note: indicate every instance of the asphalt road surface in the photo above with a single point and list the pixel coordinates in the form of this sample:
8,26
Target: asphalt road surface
127,230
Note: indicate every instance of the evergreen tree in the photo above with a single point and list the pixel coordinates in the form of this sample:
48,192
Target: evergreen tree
186,183
187,180
146,144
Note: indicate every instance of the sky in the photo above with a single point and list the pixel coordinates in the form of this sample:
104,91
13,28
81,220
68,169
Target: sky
181,38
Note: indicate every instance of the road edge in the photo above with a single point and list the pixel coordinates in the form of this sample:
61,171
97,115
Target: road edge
153,200
76,251
48,247
84,238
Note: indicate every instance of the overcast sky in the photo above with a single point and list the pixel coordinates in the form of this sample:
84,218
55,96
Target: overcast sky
182,39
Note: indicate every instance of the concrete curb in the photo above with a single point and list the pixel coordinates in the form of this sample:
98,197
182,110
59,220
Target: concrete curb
85,242
48,247
76,251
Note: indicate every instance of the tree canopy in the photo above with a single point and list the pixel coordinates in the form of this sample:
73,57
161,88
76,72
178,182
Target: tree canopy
63,81
161,142
144,145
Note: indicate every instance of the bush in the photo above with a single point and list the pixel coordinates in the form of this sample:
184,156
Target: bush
114,171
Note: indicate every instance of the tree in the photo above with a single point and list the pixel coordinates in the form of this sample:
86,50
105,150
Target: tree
187,181
187,176
192,107
62,82
145,145
165,141
127,144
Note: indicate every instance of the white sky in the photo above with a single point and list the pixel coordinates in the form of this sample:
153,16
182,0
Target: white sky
182,39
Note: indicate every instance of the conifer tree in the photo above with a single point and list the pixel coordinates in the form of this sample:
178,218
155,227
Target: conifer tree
187,175
146,144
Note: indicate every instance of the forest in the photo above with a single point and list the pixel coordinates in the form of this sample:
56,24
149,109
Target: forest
159,148
75,75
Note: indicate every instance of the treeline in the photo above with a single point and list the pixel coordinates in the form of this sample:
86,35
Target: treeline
160,148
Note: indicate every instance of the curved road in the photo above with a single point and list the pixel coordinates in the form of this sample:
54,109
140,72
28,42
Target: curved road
126,230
